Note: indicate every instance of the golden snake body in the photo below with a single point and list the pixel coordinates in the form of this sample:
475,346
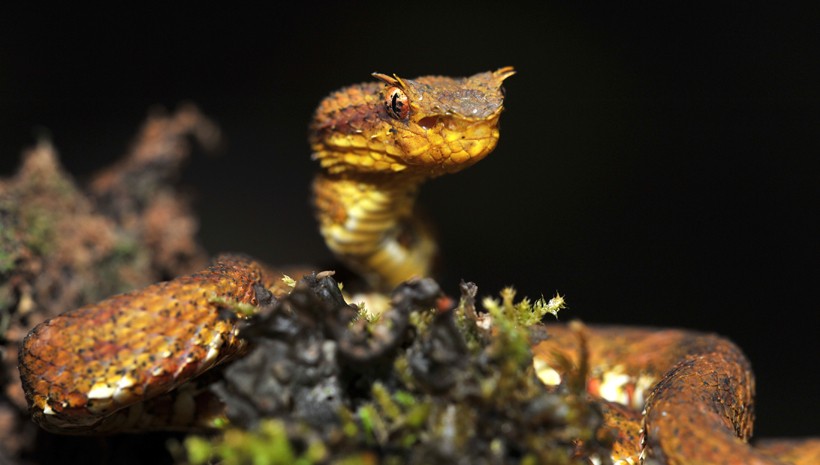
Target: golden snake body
90,370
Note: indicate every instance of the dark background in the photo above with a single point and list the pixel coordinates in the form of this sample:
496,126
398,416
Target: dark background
656,165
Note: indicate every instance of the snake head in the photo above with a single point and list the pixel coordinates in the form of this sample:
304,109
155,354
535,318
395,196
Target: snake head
422,127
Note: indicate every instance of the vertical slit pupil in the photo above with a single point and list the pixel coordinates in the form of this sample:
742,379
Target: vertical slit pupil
395,104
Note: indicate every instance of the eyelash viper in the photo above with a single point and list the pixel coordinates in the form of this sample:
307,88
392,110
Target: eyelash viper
89,370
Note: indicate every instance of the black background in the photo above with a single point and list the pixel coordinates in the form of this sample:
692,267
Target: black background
656,165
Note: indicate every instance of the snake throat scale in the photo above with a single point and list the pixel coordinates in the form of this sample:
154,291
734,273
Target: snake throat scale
673,397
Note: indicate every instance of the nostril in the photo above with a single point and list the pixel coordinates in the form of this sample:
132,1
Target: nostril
428,122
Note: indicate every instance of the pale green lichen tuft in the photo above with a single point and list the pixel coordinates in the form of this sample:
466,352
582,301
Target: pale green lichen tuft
289,282
525,312
362,313
511,319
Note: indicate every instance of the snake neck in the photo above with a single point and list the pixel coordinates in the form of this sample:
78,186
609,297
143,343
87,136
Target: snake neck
369,225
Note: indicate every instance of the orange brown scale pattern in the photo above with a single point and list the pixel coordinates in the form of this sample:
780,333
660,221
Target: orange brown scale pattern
80,367
695,389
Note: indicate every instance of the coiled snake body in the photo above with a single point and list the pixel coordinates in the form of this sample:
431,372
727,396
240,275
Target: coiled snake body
90,370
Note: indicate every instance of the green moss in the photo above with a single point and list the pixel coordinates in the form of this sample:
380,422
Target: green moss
9,247
270,444
525,312
400,414
512,321
364,314
7,260
40,230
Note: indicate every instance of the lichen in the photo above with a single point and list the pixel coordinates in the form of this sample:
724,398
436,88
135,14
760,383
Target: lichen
422,384
64,244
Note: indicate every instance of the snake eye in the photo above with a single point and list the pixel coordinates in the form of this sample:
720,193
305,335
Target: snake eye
396,103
